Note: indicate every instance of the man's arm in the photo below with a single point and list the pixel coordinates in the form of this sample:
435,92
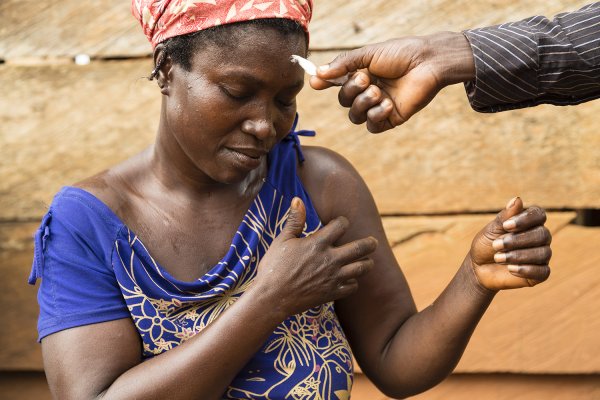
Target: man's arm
514,65
536,61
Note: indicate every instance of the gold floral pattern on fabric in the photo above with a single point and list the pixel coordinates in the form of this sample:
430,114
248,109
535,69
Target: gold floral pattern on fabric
306,357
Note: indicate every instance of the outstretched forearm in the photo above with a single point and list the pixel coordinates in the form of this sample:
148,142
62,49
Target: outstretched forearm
429,344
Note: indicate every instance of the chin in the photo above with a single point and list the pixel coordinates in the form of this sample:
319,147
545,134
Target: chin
231,177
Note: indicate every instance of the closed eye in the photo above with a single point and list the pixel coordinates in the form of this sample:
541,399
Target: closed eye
287,103
234,94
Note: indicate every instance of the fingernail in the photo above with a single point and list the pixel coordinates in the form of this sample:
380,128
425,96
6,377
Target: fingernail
324,68
498,244
509,224
513,268
511,203
500,257
295,202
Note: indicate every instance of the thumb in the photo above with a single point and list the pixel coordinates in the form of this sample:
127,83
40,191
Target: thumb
346,62
295,221
482,251
513,207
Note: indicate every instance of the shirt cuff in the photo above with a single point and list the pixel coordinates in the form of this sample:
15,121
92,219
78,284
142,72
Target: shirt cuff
506,65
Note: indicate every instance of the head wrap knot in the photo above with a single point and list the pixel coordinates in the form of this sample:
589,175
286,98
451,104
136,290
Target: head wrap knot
163,19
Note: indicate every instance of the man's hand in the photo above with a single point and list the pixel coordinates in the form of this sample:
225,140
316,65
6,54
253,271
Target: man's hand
393,80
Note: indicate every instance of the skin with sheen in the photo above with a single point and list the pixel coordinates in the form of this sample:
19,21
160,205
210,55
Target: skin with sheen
394,80
218,121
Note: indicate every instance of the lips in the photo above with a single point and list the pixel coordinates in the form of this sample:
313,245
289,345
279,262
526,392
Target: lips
251,152
248,157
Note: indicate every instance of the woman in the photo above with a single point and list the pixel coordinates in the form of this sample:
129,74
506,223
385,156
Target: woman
226,261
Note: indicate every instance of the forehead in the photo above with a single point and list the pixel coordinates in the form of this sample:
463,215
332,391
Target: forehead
248,44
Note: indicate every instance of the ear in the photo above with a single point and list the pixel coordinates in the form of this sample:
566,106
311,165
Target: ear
163,68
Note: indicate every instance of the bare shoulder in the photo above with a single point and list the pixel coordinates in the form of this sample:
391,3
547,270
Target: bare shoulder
112,185
334,185
321,160
100,185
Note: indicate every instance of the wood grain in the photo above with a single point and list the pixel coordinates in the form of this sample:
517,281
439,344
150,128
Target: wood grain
52,29
339,23
497,387
24,386
551,328
32,385
18,300
62,123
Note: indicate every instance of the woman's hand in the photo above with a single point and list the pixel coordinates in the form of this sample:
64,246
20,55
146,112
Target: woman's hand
306,272
397,78
512,251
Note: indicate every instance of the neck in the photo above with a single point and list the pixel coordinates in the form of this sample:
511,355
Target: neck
175,173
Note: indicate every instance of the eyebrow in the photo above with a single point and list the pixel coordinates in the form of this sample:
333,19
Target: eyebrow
243,76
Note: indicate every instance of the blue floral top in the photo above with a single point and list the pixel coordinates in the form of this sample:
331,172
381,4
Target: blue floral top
95,269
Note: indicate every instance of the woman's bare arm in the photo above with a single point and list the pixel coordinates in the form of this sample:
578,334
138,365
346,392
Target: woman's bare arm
403,351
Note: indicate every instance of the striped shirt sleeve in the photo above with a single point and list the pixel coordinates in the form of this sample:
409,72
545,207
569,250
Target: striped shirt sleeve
536,61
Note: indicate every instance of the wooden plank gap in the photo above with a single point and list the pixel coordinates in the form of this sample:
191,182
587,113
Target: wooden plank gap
418,234
587,217
332,49
469,212
40,61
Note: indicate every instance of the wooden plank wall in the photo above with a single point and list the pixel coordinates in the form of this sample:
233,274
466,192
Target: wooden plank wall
437,180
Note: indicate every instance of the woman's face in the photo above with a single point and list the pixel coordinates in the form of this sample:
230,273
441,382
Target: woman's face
235,103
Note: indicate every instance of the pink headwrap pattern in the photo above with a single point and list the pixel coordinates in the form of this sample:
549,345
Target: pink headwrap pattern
163,19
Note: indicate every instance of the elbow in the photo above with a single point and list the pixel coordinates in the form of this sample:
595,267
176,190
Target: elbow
407,387
403,392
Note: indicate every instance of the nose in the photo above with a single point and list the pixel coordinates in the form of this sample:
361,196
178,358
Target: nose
260,126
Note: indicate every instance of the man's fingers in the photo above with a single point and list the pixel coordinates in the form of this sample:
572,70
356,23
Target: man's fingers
319,84
529,218
346,62
384,116
362,104
356,85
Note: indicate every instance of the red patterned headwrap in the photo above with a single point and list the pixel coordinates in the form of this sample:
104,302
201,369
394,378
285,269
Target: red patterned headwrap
163,19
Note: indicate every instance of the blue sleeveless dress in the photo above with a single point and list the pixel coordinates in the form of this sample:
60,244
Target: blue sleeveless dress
95,269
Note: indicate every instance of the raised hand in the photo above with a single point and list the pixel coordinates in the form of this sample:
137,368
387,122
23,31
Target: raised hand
305,272
512,251
397,78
